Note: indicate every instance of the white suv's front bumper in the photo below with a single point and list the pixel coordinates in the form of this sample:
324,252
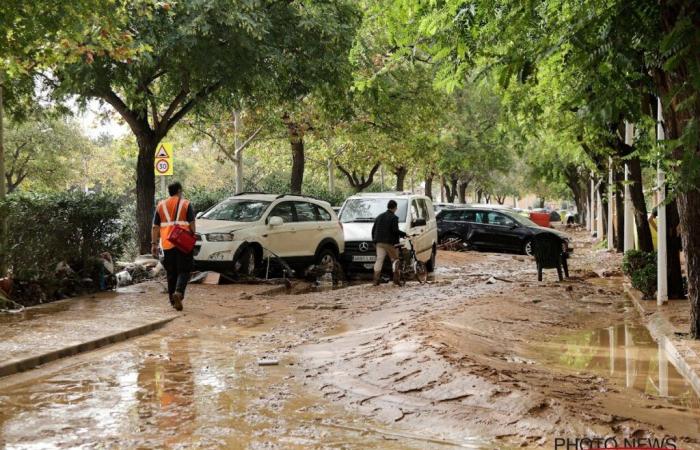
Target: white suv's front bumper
215,254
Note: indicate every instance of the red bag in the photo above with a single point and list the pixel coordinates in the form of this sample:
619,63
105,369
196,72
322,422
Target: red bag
182,238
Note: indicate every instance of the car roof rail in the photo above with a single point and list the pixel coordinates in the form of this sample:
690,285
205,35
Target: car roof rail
251,192
299,195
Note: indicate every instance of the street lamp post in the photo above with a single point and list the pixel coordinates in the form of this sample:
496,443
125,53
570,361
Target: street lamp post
610,204
629,215
662,249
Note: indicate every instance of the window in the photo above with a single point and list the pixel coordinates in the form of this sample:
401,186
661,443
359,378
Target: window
323,215
468,216
495,218
423,209
367,209
305,212
452,215
237,210
283,210
480,217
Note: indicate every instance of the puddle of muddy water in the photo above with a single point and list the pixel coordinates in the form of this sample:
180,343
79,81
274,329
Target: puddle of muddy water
626,354
194,391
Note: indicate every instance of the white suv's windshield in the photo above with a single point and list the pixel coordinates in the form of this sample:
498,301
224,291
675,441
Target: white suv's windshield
367,209
237,210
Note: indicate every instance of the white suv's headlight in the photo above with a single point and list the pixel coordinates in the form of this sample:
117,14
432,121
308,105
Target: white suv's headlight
219,237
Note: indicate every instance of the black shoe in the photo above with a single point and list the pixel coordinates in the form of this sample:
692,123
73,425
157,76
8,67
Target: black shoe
177,301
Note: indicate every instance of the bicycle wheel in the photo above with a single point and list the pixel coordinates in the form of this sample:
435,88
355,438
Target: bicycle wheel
421,271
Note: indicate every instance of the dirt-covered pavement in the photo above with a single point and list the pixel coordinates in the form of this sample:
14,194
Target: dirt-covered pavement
484,356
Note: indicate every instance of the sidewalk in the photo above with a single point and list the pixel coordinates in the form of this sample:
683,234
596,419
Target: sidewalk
669,325
48,332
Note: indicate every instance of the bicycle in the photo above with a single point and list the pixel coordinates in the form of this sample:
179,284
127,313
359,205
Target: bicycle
409,265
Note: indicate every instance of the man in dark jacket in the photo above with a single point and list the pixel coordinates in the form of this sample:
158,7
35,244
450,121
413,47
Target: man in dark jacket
386,234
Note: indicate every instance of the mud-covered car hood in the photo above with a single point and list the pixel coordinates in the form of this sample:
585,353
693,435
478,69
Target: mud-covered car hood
205,226
361,231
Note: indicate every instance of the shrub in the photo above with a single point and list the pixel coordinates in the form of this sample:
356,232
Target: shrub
45,229
641,268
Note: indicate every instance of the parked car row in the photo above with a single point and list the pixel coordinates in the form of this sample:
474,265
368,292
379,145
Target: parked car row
241,232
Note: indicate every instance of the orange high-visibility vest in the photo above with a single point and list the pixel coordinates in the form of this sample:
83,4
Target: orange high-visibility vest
169,218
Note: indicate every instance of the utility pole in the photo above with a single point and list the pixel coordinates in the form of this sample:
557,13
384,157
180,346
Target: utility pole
238,160
591,223
331,176
600,230
661,243
611,232
629,214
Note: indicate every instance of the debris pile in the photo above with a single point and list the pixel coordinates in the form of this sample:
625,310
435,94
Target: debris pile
143,268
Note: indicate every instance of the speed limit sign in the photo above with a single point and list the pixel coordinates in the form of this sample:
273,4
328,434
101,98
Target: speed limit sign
164,159
162,166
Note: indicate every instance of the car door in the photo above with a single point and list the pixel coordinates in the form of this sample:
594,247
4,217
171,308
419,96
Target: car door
281,239
478,229
500,233
425,241
309,230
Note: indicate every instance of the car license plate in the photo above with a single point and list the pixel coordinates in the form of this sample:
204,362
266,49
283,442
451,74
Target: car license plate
364,258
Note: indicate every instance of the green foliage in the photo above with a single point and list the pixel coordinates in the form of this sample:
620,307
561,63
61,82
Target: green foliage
45,229
641,268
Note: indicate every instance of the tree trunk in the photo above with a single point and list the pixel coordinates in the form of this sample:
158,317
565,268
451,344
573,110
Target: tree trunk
462,191
331,176
296,140
400,173
3,194
429,185
689,211
145,191
673,247
640,207
479,193
451,190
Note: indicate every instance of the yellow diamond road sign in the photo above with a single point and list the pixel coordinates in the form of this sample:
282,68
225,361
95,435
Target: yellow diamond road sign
164,159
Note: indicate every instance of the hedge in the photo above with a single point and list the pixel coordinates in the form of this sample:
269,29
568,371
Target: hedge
45,229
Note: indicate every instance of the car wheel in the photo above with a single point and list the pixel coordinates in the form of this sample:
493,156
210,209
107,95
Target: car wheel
246,264
527,248
430,264
326,257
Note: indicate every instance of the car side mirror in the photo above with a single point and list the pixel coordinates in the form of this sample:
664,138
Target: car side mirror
514,226
418,223
275,221
199,214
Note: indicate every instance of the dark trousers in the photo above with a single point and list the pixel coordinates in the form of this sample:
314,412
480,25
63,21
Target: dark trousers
178,266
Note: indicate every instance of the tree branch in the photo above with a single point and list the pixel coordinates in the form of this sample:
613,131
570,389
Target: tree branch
166,125
137,125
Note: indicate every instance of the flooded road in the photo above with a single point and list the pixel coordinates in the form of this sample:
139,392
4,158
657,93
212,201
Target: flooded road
483,356
196,390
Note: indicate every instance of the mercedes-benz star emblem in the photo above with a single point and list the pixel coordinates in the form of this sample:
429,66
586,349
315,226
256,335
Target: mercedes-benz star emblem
364,246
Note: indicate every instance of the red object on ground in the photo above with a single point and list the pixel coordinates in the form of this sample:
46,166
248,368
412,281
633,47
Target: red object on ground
541,219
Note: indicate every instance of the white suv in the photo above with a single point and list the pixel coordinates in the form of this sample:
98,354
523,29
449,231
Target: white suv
416,217
237,234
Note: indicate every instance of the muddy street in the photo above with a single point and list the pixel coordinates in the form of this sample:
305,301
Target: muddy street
483,356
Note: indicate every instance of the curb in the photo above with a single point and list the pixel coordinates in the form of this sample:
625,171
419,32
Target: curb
686,361
21,365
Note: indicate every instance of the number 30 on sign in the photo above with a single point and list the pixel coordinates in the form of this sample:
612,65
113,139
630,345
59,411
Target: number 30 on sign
164,159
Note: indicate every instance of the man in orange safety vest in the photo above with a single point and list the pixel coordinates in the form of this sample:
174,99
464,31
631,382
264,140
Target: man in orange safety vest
170,212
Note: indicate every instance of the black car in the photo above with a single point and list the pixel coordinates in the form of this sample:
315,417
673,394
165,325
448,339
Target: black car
498,230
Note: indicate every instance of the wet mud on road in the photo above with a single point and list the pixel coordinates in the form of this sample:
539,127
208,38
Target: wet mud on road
484,356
